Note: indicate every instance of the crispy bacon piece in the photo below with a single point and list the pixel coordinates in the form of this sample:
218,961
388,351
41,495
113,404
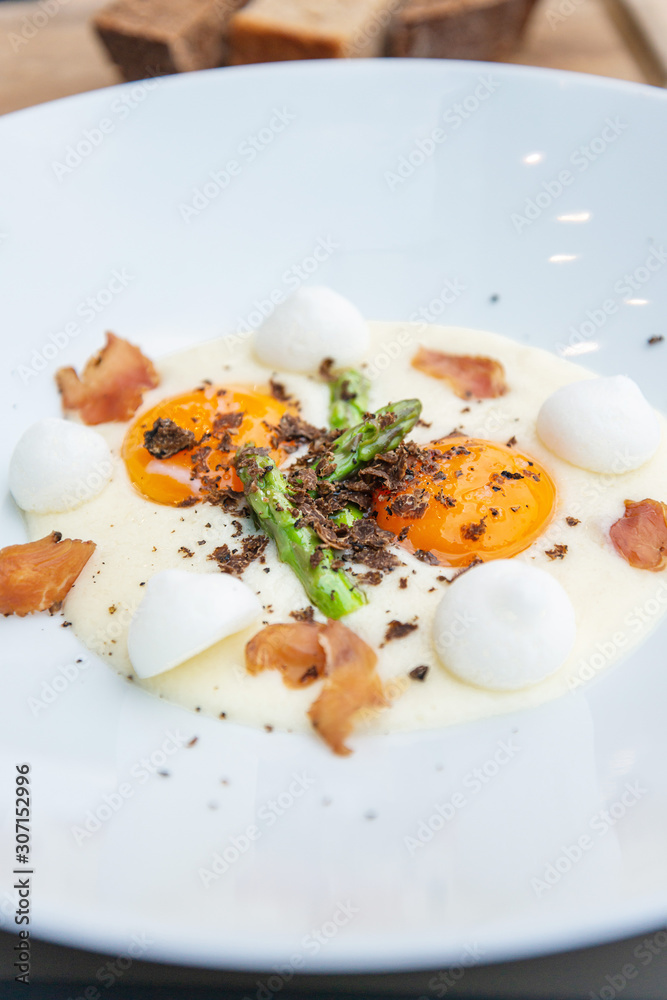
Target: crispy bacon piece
351,685
640,536
292,648
112,383
468,377
305,651
39,575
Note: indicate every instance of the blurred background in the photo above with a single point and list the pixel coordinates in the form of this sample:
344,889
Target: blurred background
54,48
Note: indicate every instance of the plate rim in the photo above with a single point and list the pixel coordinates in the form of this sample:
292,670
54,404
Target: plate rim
614,927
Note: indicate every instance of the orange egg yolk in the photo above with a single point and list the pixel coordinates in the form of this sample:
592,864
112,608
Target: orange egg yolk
473,498
177,479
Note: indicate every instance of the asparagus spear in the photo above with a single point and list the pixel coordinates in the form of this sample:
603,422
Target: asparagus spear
348,515
328,589
348,404
268,495
349,398
360,444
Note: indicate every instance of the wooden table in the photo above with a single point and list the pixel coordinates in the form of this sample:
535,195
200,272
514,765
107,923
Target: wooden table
43,56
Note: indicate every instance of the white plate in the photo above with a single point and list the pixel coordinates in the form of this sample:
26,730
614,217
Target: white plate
339,850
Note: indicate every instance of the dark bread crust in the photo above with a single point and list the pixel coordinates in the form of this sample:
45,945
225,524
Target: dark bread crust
459,29
147,38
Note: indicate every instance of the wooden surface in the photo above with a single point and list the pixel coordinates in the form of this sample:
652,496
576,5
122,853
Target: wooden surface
43,56
578,35
643,24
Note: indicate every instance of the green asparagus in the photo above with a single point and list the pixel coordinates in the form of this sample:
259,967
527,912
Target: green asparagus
329,589
268,495
359,445
349,398
348,404
348,515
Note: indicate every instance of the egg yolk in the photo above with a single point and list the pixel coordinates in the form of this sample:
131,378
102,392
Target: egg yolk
178,478
470,498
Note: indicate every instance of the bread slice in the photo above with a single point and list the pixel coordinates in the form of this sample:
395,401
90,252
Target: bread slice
459,29
276,30
155,37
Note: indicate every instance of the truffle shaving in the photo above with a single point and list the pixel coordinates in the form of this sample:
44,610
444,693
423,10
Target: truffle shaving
166,438
398,630
303,614
236,562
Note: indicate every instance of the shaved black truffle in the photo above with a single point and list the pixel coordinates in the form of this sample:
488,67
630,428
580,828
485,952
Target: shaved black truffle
166,439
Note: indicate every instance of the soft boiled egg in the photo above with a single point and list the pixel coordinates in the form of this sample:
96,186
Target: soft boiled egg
555,529
473,499
209,414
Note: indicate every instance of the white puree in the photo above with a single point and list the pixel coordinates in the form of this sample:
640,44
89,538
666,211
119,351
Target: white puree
136,538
